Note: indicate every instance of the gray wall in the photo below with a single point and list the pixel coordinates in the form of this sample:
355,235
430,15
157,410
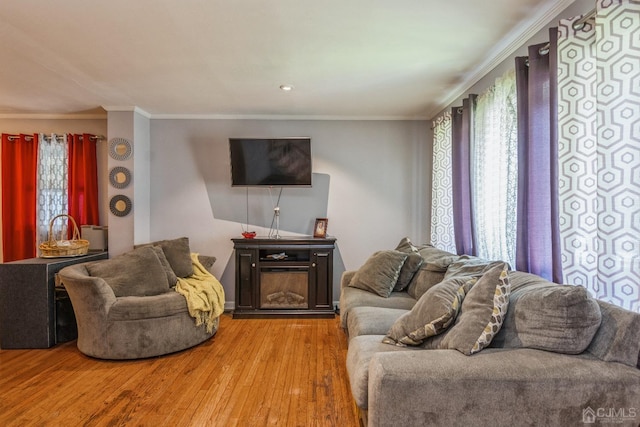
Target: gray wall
370,179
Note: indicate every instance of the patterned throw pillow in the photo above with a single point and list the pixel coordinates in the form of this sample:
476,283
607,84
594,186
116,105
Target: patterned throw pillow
409,269
379,273
482,313
434,312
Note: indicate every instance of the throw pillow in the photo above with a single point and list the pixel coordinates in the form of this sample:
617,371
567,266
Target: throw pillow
171,276
178,254
434,312
423,280
482,312
207,261
467,265
434,259
379,273
548,316
434,265
409,269
405,245
136,273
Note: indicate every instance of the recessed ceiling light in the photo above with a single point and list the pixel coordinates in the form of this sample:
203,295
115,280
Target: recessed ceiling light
286,88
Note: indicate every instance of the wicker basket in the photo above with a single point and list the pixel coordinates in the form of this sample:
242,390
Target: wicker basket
64,248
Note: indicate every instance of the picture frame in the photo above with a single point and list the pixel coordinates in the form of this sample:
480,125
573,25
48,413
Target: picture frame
320,227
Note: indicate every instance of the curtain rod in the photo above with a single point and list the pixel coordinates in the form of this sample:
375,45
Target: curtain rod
48,138
578,25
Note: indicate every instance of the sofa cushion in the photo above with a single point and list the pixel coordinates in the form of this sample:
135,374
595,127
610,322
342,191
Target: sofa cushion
135,273
361,349
136,308
482,312
548,316
618,337
350,298
178,254
434,312
372,320
380,272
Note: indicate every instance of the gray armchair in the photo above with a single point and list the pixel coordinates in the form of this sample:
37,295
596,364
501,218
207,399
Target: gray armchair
147,322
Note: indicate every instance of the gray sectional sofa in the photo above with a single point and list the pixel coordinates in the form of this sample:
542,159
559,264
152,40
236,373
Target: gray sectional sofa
443,340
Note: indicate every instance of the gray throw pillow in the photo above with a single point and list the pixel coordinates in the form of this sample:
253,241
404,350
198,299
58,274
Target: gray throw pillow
207,261
434,312
171,276
178,254
482,313
434,264
548,316
467,265
379,273
409,269
424,280
405,245
136,273
436,259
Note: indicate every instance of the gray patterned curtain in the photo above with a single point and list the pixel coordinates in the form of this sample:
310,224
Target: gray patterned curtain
442,235
599,155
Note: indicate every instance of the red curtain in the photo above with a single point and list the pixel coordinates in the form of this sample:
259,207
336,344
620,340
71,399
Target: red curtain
19,192
83,179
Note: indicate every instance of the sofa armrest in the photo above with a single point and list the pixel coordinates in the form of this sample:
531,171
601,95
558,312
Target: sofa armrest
346,278
92,299
495,387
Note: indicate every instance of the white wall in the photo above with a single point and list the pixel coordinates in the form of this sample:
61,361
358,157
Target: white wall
372,180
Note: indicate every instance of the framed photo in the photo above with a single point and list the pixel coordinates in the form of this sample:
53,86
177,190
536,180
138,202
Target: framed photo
320,229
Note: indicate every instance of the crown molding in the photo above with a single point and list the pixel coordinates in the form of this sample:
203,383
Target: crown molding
127,108
517,38
55,116
282,117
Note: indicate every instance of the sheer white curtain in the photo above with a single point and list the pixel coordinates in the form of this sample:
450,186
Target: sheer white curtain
442,233
599,155
52,183
494,174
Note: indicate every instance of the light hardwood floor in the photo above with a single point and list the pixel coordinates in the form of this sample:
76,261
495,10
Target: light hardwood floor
254,372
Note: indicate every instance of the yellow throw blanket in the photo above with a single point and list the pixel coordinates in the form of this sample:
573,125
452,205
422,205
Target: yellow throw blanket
204,295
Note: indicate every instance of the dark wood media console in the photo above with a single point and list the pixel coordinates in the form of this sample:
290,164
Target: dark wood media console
286,277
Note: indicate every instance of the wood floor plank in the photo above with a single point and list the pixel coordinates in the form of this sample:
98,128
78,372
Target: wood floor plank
254,372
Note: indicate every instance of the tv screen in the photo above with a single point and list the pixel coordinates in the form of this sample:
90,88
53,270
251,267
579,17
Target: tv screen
275,162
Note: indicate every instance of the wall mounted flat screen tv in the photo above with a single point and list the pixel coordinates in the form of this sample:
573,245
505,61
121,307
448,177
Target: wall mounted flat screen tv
274,162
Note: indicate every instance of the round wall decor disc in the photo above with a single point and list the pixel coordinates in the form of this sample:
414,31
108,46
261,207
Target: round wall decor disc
120,205
120,148
119,177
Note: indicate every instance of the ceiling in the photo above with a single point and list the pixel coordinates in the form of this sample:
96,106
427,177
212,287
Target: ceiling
345,58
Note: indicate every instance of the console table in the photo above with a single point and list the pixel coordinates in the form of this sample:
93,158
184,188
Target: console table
30,307
286,277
